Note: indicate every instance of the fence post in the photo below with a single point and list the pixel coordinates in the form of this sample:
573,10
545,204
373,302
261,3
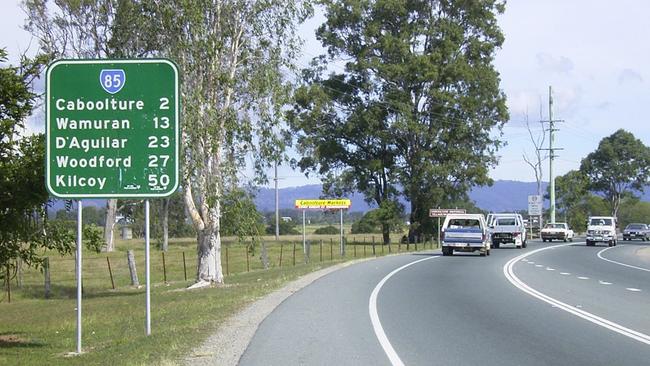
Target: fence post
294,253
110,273
164,268
373,246
364,247
331,249
8,282
382,247
281,245
46,272
321,250
307,251
248,266
227,267
134,274
185,266
355,249
264,256
416,245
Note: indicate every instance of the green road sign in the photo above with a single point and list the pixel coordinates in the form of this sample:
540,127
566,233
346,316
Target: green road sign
112,128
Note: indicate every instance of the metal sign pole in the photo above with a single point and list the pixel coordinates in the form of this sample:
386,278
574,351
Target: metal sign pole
342,247
439,232
78,270
147,265
304,235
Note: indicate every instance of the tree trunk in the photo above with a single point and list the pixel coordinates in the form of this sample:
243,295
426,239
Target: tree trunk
109,225
385,232
209,256
165,223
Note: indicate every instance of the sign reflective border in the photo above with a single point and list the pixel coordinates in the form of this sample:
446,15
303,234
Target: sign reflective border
442,212
332,203
112,128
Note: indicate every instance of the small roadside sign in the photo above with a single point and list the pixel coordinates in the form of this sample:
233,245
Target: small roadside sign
535,205
442,212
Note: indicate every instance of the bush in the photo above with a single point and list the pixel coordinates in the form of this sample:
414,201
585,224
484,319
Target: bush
327,230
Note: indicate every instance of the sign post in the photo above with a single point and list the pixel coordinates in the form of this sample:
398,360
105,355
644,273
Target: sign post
323,204
442,212
112,131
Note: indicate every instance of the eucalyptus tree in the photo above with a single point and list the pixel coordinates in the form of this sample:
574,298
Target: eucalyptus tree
234,56
90,29
417,110
618,168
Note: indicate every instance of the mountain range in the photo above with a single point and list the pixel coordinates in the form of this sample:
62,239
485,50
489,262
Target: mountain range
502,196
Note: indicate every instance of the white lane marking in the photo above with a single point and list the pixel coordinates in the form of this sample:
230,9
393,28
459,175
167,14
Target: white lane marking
604,283
374,316
619,263
550,269
633,289
524,260
531,262
538,265
583,278
565,273
510,275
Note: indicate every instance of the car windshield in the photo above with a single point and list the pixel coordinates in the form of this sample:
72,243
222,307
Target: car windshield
507,221
463,223
636,227
555,226
600,222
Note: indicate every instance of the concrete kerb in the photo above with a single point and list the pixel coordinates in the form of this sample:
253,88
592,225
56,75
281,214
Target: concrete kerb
229,342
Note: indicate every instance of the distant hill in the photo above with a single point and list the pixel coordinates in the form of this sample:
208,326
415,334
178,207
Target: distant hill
503,195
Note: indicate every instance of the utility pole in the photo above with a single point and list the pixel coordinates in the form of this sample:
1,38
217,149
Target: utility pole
551,151
277,204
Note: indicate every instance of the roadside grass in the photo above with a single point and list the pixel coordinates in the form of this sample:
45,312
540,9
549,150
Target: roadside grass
39,331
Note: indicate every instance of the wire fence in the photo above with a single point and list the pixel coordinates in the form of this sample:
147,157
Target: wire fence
111,271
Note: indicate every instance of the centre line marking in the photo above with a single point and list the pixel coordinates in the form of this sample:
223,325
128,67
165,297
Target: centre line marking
374,316
508,271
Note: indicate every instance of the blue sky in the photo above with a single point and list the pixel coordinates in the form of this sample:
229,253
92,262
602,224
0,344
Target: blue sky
594,53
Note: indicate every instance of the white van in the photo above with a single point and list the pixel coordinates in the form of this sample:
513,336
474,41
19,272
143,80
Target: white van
601,229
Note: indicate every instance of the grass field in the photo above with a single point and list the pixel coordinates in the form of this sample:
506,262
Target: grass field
39,331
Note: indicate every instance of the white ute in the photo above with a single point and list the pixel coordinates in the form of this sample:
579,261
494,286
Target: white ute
465,233
508,228
601,229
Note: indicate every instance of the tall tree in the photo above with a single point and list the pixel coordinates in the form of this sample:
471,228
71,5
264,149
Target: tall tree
91,29
415,109
233,56
619,168
572,193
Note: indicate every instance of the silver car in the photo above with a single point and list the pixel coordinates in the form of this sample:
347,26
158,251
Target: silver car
636,231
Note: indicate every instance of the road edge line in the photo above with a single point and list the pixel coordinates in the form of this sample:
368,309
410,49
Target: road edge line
619,263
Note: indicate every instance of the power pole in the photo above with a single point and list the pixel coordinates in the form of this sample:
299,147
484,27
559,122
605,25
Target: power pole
277,205
551,152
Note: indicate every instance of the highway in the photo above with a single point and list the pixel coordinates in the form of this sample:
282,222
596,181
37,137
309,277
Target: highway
550,304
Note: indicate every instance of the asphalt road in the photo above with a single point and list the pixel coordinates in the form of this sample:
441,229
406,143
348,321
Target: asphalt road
549,304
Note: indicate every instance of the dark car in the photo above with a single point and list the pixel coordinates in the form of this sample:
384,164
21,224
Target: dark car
636,231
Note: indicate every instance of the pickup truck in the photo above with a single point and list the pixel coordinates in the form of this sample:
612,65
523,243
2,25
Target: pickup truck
601,229
557,231
465,233
508,229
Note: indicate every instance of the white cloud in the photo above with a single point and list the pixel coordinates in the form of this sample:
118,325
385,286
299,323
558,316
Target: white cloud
550,63
629,76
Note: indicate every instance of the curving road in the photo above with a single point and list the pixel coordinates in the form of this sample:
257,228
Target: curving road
549,304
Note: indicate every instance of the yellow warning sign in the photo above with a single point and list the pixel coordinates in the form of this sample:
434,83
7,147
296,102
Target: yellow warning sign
327,203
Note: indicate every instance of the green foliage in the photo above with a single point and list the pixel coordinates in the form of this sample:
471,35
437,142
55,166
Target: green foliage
373,220
327,230
633,211
240,217
618,168
24,228
286,228
91,215
413,112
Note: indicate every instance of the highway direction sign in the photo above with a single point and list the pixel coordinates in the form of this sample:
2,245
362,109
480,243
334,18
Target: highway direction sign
442,212
112,128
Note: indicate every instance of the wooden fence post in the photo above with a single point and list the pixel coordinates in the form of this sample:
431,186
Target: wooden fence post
110,273
164,268
281,245
248,265
373,246
46,272
185,265
294,253
134,274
